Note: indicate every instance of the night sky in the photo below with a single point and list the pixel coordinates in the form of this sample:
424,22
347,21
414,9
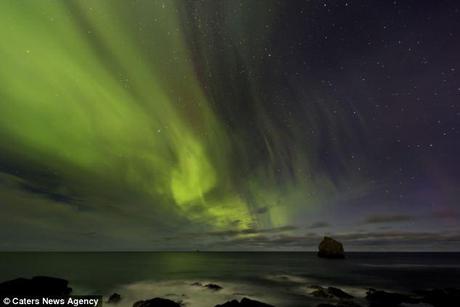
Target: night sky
229,125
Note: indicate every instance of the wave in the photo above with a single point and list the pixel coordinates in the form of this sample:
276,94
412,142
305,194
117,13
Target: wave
191,293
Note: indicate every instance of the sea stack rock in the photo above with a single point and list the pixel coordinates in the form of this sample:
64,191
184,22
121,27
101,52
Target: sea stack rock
330,248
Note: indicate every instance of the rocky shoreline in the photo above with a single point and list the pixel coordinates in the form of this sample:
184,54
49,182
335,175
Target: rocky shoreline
326,296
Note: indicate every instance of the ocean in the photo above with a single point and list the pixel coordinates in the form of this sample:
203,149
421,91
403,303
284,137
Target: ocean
277,278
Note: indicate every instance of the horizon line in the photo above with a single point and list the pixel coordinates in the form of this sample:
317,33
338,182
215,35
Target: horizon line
217,251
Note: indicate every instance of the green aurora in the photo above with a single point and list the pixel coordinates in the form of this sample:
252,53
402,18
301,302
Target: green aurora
137,124
103,97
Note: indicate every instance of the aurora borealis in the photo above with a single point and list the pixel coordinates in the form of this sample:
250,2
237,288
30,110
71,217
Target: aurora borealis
229,125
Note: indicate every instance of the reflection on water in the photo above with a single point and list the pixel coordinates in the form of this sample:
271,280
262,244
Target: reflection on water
269,277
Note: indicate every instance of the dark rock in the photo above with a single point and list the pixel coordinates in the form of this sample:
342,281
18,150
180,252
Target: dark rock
321,293
329,292
114,298
213,287
330,248
440,297
36,286
156,302
348,304
379,298
340,304
245,302
232,303
338,293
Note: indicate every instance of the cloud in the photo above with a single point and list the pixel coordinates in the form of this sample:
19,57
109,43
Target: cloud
251,231
235,232
318,225
446,213
47,193
391,218
365,241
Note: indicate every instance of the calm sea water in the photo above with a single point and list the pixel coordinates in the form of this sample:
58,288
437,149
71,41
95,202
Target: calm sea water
278,278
